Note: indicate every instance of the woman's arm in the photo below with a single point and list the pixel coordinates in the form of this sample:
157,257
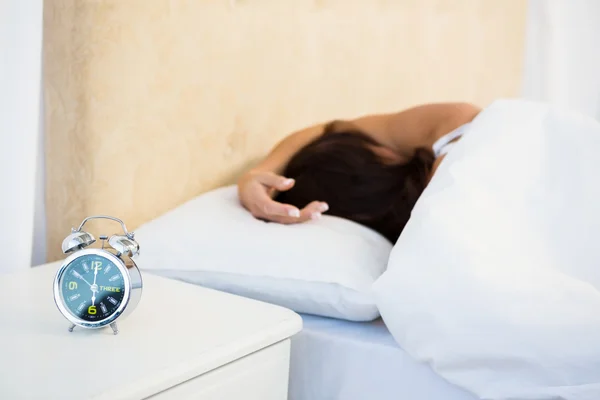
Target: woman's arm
257,187
421,126
402,132
283,151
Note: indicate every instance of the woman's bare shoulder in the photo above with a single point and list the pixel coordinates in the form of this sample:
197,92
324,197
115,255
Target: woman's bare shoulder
412,127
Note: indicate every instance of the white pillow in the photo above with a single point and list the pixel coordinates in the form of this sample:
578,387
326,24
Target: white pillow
495,281
324,267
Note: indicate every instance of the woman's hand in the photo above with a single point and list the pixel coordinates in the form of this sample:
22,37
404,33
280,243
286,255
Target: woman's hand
256,190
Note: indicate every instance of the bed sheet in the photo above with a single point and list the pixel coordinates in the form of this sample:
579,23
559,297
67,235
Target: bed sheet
342,360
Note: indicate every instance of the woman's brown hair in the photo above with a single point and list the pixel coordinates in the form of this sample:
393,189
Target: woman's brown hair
342,169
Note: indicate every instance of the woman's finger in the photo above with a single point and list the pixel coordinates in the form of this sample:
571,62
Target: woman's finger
312,211
274,181
268,208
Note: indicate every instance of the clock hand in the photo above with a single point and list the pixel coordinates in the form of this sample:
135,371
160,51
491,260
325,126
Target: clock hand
90,285
95,274
94,286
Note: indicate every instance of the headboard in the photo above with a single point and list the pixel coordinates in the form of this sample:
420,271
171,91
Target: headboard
150,103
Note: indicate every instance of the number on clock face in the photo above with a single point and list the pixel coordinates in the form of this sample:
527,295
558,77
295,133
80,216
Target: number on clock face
92,287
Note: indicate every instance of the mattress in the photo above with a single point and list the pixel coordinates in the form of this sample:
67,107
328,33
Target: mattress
341,360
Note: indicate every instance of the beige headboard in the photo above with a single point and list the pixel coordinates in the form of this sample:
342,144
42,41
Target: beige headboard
150,103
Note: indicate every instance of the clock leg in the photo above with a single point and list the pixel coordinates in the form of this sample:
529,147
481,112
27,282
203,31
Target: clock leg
114,328
71,328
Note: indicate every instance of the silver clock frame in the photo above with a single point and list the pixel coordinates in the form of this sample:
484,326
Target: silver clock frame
133,289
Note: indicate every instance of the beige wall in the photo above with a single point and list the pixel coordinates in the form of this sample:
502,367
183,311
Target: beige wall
149,103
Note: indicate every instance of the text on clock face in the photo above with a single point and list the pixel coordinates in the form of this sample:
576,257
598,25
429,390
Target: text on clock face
109,289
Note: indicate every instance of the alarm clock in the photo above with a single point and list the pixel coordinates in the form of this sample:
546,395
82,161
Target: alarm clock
94,287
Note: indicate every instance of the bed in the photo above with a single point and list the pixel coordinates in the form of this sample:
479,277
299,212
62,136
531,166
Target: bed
340,360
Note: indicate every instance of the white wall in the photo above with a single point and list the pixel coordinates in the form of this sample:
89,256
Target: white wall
20,74
39,223
562,61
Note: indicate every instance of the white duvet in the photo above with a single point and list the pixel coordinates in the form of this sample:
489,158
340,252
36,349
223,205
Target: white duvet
495,281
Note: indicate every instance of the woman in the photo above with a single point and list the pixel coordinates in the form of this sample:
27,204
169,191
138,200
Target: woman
370,170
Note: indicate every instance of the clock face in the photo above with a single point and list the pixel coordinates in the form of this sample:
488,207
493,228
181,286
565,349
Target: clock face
92,287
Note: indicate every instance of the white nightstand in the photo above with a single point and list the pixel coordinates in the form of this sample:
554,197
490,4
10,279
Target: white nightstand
181,342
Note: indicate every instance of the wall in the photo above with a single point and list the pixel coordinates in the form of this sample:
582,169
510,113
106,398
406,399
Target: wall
20,71
562,57
150,103
38,255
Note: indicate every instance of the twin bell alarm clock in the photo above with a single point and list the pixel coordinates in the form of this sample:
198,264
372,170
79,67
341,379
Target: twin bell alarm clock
94,287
